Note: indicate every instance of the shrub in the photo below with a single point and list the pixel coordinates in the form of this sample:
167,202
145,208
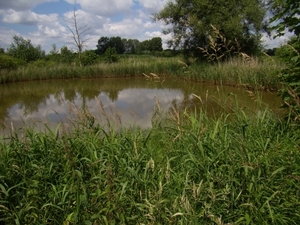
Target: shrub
111,55
8,62
88,57
43,63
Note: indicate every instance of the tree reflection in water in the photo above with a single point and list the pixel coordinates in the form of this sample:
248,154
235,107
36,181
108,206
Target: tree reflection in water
133,99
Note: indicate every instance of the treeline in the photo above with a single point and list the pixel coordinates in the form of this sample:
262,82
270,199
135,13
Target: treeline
129,46
22,52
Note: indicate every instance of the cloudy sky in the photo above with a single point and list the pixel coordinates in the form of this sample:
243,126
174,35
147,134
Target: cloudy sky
45,22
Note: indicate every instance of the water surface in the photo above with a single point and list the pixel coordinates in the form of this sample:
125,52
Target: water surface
127,101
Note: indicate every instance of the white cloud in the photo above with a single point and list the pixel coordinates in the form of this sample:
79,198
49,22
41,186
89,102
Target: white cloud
104,7
153,6
21,4
27,17
164,37
270,42
6,37
124,28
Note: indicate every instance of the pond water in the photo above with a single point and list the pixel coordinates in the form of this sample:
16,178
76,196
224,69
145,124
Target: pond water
127,101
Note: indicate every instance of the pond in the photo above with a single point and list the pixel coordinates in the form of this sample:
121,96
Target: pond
126,101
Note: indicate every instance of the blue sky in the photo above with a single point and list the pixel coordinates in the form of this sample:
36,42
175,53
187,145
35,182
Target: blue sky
45,22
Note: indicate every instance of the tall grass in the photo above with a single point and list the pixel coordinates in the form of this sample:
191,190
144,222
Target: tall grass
188,169
250,73
126,67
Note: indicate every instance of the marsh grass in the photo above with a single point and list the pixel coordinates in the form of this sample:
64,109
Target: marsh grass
126,67
189,168
249,72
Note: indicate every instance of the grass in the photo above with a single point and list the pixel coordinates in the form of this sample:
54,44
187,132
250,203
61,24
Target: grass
250,73
126,67
237,168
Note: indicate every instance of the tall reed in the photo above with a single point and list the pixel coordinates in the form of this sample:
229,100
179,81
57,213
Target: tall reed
127,66
250,73
189,168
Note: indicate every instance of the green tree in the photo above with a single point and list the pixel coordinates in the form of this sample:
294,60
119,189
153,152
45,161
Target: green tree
156,44
9,62
66,55
144,46
192,23
24,50
89,57
103,44
288,50
130,45
111,55
113,42
116,42
287,15
53,53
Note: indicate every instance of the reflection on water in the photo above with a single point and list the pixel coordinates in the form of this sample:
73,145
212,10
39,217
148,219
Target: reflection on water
132,100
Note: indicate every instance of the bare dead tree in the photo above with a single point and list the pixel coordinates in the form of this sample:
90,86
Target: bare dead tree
78,34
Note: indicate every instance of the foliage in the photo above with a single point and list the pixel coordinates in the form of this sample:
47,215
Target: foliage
187,170
116,42
110,42
289,50
43,63
290,77
191,22
250,73
131,46
66,55
152,45
288,16
53,54
89,57
23,49
111,55
103,44
9,62
219,49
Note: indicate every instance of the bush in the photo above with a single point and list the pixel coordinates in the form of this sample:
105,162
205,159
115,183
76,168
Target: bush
24,50
111,55
89,57
43,63
289,50
8,62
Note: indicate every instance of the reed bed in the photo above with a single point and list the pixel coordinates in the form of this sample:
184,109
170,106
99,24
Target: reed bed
126,67
250,73
189,168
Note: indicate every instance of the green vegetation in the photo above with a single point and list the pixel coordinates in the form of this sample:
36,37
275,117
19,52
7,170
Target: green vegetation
187,169
287,14
192,23
126,66
250,73
23,49
129,46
